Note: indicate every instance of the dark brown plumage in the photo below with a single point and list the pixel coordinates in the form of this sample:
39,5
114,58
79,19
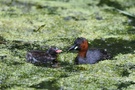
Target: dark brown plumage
38,57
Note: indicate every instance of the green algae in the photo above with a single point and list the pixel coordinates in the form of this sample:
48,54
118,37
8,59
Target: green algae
26,25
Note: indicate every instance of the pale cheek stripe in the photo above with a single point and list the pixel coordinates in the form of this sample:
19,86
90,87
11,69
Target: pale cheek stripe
76,47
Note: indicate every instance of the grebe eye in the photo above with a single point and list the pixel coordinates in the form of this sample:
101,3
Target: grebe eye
82,41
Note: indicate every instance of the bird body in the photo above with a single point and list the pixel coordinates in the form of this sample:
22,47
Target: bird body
86,55
39,57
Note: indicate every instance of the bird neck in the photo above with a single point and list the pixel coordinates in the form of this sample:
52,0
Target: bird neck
82,54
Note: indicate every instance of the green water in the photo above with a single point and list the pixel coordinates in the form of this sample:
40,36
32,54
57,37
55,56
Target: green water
36,24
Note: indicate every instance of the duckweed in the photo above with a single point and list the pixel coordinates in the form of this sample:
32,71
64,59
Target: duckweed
37,24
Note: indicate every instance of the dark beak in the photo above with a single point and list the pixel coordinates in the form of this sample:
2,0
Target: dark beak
73,47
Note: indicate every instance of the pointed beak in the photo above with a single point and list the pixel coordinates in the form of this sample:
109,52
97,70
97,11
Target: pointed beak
74,47
58,51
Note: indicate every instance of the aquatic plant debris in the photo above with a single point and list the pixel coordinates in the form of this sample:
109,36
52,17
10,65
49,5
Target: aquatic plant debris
37,24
